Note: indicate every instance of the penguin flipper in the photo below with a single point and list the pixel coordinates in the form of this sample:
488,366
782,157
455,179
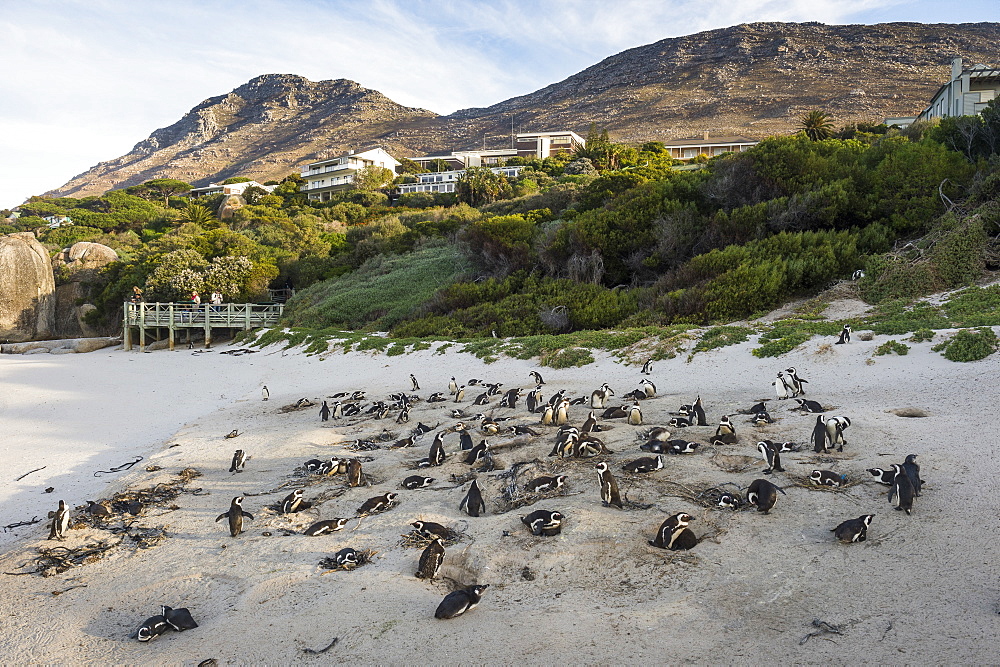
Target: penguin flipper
248,515
222,516
782,490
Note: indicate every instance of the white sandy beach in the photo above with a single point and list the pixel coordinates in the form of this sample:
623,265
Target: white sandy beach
922,590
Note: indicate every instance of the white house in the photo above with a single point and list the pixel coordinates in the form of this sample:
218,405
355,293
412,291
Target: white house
57,221
228,188
686,149
966,94
526,144
336,174
444,181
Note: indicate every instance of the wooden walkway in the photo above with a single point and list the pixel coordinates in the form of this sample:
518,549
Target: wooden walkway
187,316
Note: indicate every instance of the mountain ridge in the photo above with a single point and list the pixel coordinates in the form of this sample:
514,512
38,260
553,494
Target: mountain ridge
754,79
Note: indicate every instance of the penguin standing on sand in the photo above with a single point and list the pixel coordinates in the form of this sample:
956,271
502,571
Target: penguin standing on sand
416,385
239,461
699,412
533,399
835,431
609,486
853,530
460,394
647,368
547,416
458,602
430,560
635,415
236,515
264,393
797,382
780,388
913,472
355,476
771,456
60,522
648,388
324,412
562,413
452,386
338,410
901,490
845,335
763,495
818,437
537,377
473,501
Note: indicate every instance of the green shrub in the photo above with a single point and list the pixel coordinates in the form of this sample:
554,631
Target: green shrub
721,337
922,336
568,358
969,345
974,307
891,346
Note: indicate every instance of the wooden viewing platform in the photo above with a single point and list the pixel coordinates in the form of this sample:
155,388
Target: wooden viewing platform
188,316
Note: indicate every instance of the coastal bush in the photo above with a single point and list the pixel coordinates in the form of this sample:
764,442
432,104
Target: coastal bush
969,345
922,336
786,335
721,336
974,307
891,346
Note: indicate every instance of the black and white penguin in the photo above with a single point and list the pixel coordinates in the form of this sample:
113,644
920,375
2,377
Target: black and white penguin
699,412
378,503
674,533
152,627
355,476
430,560
561,416
458,602
324,412
522,429
681,446
590,445
780,388
797,382
725,427
422,428
818,437
489,426
338,410
647,388
482,399
179,619
619,412
477,453
325,527
827,478
853,530
901,490
60,521
532,400
731,501
644,464
557,398
328,467
771,456
882,476
413,380
857,275
473,502
647,368
540,484
235,514
762,419
465,441
845,335
913,472
239,461
543,522
417,482
460,394
436,397
609,486
432,530
809,406
437,456
835,427
635,415
264,393
473,382
452,386
403,416
294,502
548,416
509,399
537,377
599,397
658,433
763,495
347,556
97,509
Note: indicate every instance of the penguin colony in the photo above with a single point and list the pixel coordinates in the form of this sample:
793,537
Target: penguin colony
546,420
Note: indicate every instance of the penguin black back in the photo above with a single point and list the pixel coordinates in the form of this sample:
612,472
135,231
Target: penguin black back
473,502
460,601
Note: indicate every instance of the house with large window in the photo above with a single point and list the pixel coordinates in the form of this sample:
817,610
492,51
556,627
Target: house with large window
228,188
690,148
526,144
966,94
445,181
327,177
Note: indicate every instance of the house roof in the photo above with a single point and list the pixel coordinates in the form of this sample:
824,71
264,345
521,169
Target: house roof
710,141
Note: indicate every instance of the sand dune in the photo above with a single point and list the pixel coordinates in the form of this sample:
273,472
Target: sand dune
921,590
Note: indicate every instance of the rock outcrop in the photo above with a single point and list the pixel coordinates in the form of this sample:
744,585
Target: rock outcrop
66,346
27,289
76,268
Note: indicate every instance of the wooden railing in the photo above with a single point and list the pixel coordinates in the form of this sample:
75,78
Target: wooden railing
173,316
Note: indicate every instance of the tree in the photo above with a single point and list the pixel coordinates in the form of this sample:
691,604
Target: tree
816,125
236,179
480,185
198,214
157,188
373,178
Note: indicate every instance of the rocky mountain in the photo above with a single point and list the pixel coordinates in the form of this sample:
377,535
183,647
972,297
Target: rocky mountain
754,79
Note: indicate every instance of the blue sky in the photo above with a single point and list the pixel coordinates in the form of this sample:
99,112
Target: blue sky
83,81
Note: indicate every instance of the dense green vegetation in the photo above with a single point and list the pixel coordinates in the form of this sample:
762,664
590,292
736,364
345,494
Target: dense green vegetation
613,237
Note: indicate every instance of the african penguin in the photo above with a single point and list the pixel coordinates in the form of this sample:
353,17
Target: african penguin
417,482
179,619
264,393
294,502
540,484
325,527
835,431
882,476
437,456
324,412
537,377
609,486
152,627
763,495
239,461
648,388
771,456
901,490
780,388
378,503
681,447
853,530
416,385
644,464
460,394
562,413
809,406
827,478
431,530
543,522
473,502
647,368
60,521
674,533
818,437
913,472
699,412
845,335
458,602
430,560
355,477
600,396
730,501
796,381
635,415
346,556
235,514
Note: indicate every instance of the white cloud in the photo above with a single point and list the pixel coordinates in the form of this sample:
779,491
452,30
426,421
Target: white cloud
84,80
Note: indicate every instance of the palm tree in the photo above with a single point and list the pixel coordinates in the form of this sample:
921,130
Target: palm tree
816,125
198,214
